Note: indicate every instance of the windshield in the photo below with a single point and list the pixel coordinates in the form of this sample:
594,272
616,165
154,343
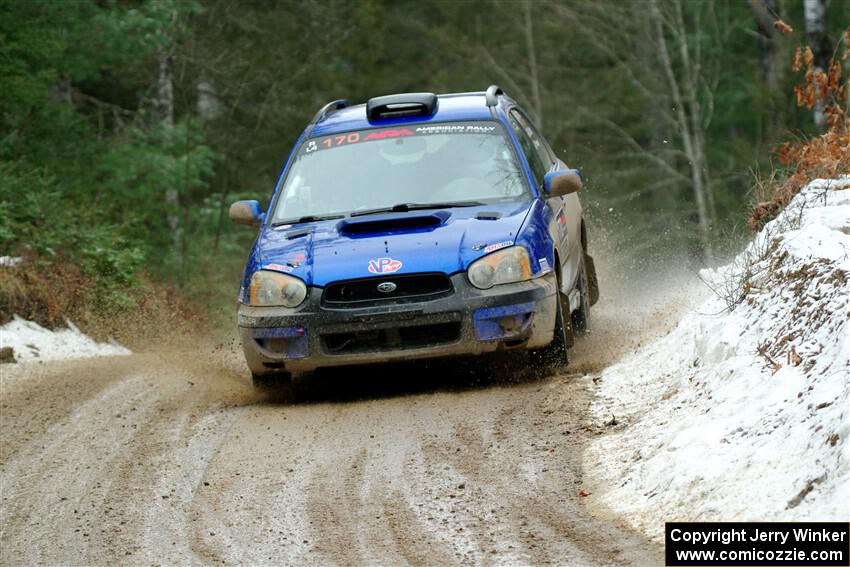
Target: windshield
417,164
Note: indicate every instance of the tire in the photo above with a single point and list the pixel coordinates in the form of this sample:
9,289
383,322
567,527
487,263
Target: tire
581,316
555,353
268,381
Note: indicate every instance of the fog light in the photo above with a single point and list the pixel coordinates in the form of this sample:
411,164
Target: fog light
511,324
276,345
288,342
503,323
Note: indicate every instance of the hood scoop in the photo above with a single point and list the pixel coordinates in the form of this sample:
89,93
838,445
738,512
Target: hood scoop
407,223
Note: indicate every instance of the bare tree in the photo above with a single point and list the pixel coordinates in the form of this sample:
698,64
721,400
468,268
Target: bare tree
165,104
532,64
683,84
815,14
654,48
207,105
766,14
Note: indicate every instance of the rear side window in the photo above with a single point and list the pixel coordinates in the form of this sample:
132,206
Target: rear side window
533,146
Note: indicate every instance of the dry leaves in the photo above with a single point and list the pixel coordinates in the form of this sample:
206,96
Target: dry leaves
826,156
783,27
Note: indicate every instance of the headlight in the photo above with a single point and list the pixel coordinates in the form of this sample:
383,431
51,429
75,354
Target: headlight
273,288
505,266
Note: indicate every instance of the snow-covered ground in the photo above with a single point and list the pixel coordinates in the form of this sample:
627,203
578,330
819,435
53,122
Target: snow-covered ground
31,341
741,413
10,260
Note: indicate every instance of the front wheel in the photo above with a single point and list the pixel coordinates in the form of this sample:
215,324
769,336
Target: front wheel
580,316
555,353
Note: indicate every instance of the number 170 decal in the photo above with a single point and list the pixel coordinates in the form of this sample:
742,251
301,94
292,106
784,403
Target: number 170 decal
336,140
341,139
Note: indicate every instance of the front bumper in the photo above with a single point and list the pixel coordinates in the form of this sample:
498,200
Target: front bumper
469,321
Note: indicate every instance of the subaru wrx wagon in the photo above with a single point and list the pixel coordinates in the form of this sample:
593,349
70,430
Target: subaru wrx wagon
415,226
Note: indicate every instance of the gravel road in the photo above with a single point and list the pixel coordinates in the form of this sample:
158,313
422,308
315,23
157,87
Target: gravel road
174,458
171,457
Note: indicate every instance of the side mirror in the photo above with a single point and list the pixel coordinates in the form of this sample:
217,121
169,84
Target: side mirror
248,213
562,182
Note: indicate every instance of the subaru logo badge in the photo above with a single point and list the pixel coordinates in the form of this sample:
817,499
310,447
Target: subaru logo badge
387,287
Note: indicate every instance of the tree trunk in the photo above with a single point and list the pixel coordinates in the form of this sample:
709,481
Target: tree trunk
532,65
691,77
815,13
165,103
656,108
765,13
222,207
208,106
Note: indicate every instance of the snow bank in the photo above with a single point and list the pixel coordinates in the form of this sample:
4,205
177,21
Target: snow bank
10,261
741,412
31,341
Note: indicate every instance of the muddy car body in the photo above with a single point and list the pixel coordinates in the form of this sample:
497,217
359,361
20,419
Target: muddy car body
415,226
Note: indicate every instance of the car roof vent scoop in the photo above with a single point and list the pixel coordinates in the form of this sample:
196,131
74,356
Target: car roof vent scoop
400,105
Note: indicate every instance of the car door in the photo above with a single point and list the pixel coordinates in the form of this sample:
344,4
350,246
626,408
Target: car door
566,210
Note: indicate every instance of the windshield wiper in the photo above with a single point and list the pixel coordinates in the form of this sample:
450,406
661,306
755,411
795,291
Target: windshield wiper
308,218
405,207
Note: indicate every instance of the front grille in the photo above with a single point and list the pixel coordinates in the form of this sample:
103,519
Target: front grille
407,287
391,339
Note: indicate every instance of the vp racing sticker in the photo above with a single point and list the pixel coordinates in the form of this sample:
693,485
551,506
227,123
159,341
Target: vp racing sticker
384,265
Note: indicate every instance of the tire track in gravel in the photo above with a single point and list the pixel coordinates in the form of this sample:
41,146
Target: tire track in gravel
84,484
173,458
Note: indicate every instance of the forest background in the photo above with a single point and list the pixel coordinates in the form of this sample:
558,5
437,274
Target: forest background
127,127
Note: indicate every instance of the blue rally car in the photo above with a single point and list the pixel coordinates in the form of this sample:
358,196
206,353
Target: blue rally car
415,226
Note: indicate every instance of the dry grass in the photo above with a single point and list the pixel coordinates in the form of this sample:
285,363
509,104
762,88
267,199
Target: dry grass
50,293
747,272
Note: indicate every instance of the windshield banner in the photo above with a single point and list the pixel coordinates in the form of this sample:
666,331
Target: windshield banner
360,136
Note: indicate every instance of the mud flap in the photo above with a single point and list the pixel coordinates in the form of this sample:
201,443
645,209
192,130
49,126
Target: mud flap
568,326
592,280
